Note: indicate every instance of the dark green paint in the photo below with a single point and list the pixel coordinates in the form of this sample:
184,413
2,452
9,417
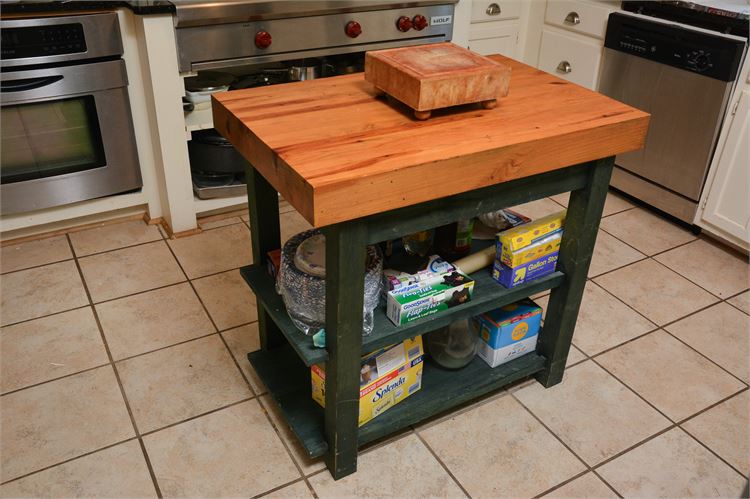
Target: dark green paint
581,225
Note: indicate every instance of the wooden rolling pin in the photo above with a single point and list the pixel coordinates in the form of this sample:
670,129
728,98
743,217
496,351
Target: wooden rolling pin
476,261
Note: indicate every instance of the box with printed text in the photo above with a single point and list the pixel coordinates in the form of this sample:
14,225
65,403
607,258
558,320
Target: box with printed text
508,332
387,377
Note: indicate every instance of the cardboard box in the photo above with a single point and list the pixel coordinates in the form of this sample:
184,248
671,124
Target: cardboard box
542,247
421,299
273,263
387,377
527,234
510,277
508,332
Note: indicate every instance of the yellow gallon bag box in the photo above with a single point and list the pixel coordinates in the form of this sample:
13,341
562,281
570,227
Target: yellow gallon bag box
387,377
521,236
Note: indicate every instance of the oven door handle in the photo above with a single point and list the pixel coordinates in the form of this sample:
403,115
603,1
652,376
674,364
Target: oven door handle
28,83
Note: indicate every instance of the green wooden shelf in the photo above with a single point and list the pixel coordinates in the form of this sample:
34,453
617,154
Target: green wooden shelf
263,286
488,294
288,382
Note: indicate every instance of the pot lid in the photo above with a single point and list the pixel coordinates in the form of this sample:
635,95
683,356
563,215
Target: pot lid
208,81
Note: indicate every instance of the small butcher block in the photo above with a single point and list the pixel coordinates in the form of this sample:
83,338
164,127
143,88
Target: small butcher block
435,76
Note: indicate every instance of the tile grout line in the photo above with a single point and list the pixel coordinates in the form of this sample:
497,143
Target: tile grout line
211,319
196,416
707,358
287,448
70,459
674,423
277,488
3,274
665,325
440,461
69,375
117,376
560,440
237,365
712,406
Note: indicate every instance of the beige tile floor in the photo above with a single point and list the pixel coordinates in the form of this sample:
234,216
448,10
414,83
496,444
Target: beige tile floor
123,374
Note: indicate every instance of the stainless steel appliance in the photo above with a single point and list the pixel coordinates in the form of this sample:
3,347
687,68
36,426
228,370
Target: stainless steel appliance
264,43
683,76
221,34
67,133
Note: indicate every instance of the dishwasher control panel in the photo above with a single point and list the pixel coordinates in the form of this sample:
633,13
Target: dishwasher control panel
681,46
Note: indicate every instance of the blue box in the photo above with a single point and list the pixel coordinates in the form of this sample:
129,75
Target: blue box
508,332
510,277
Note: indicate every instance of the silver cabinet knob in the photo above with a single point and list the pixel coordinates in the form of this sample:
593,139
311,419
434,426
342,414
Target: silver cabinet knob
493,10
564,67
573,18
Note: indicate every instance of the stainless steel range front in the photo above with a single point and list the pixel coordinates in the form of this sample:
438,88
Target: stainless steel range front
221,34
67,133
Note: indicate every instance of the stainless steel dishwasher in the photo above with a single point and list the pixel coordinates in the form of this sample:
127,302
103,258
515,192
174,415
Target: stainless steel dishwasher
683,76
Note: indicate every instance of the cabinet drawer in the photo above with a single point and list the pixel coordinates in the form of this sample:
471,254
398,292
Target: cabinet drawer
573,58
494,10
494,38
581,17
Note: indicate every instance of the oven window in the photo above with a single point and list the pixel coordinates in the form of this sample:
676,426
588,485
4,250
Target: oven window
47,139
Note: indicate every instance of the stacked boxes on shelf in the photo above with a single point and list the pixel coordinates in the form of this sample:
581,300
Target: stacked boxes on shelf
528,251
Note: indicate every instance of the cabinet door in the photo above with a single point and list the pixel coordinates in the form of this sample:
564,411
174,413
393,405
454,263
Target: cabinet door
574,57
494,38
728,199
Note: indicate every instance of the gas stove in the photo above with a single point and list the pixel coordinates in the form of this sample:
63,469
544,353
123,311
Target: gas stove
214,35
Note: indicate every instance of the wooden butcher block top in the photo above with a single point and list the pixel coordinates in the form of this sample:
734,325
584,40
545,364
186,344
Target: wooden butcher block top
336,152
438,75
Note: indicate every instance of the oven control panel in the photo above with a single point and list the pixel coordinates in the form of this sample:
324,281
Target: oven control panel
38,41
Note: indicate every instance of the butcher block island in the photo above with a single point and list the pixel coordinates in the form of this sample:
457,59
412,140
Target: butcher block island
364,170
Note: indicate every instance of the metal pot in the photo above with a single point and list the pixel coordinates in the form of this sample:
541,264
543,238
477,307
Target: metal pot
211,153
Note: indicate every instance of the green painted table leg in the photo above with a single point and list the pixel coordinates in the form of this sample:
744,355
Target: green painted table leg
263,205
345,270
581,226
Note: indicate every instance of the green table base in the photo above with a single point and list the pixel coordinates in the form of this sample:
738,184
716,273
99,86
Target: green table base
285,353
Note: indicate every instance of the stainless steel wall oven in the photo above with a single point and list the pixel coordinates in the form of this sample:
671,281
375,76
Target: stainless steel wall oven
67,132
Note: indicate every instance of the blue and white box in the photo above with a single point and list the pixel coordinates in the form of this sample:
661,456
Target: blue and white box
508,332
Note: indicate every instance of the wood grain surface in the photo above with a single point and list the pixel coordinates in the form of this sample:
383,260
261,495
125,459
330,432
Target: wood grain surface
429,77
336,152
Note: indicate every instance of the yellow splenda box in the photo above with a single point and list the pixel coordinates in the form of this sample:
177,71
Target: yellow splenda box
527,234
387,377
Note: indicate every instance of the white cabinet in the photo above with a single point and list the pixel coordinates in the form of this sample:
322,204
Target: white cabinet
494,26
726,197
580,17
572,39
494,38
574,58
497,10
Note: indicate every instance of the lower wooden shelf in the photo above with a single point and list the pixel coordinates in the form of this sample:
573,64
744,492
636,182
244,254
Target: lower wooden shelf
288,381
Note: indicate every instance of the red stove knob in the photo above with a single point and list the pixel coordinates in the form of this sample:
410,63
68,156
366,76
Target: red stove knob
419,22
403,24
263,39
353,29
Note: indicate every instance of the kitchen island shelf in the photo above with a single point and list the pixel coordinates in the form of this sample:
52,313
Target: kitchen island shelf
488,294
288,382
